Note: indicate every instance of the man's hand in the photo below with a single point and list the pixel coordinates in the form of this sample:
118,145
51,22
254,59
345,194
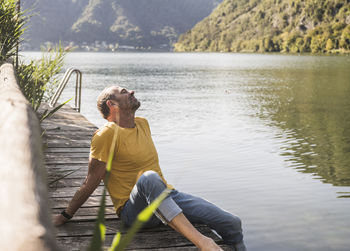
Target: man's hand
96,172
59,220
209,245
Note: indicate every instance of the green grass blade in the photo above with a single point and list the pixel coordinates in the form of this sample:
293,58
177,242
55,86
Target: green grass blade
116,241
102,231
147,213
63,176
100,227
49,114
111,151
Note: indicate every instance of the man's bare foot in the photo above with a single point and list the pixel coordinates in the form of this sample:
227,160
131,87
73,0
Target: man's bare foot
209,245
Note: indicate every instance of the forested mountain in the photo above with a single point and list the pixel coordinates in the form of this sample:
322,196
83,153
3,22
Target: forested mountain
272,26
141,23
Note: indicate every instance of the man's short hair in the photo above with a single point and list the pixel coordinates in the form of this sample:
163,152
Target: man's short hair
105,95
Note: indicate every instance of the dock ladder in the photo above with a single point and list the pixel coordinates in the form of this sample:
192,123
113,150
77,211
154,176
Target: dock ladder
63,84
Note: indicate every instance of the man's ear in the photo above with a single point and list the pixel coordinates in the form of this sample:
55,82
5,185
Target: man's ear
110,104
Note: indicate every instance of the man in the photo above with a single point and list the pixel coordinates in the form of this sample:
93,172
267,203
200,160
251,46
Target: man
136,178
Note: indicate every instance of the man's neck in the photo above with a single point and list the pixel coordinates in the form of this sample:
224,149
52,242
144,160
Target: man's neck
125,120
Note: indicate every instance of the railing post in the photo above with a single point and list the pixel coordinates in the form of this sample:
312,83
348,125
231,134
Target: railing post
25,213
63,84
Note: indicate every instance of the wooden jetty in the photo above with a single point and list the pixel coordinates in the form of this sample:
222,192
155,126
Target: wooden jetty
67,144
25,223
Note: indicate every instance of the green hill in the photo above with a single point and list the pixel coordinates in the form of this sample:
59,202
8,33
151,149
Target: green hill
139,23
272,26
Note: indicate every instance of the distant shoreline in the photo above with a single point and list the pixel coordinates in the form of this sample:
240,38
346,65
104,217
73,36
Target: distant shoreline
203,52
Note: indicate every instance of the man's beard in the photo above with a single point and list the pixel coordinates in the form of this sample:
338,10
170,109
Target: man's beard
136,105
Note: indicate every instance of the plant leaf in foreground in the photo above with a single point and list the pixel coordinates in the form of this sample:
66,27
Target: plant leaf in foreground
100,227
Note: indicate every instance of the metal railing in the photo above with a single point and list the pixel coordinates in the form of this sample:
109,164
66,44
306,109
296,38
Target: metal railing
63,84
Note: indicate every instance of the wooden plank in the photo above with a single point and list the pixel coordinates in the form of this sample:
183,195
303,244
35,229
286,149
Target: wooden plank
90,214
65,124
65,136
86,228
114,225
93,201
68,192
65,166
86,133
80,170
166,240
67,174
61,175
72,155
70,183
66,118
69,160
108,216
80,157
77,177
68,127
68,144
148,238
183,248
69,116
47,126
64,140
67,150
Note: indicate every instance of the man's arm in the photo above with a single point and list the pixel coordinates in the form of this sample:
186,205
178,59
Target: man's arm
96,172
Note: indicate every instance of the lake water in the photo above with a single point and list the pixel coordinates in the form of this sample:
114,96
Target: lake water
266,137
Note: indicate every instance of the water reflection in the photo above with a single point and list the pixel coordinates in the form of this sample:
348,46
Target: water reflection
311,104
343,195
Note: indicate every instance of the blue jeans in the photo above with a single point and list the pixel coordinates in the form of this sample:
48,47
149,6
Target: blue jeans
196,210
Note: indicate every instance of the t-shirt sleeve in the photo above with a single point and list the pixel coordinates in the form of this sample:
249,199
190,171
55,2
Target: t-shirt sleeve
146,125
100,144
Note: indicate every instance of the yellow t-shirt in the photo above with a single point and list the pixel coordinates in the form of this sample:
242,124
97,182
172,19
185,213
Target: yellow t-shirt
134,154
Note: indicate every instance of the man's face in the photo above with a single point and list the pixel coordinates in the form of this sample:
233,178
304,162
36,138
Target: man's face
126,99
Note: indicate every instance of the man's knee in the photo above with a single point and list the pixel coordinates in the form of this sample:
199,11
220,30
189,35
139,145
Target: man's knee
236,223
231,230
148,177
231,224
